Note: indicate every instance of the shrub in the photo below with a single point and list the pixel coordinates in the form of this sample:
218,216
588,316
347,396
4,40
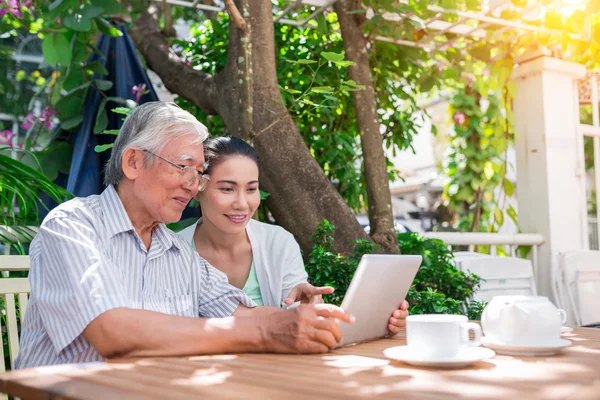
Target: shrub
438,288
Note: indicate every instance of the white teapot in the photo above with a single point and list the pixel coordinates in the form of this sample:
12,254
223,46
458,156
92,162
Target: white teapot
522,320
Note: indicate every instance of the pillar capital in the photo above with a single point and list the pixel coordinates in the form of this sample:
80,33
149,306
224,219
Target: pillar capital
548,64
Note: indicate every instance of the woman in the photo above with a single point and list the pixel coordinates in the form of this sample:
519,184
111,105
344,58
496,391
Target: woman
261,259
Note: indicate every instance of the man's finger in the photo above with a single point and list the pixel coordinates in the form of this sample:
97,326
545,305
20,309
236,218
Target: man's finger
325,337
331,311
404,305
331,326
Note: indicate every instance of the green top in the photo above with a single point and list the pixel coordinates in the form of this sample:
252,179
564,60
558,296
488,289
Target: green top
251,288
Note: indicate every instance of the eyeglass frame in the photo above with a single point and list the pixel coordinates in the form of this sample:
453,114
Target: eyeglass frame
200,177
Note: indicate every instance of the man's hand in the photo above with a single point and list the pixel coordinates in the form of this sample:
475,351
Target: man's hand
305,329
398,318
307,293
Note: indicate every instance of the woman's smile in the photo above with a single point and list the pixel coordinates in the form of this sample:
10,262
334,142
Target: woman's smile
237,218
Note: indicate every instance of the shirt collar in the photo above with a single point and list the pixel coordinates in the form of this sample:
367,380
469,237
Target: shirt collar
117,220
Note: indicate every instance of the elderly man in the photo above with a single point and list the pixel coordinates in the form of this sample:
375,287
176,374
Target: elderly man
108,279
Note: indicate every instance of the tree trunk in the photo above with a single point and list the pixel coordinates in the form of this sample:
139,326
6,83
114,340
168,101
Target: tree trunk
301,196
381,218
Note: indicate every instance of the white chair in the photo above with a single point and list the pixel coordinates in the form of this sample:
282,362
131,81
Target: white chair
14,263
578,283
9,289
501,276
460,256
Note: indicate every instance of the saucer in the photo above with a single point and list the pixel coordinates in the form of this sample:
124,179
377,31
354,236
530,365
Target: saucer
466,356
566,329
545,349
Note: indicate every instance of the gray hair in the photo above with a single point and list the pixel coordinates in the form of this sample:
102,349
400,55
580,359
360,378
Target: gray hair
151,126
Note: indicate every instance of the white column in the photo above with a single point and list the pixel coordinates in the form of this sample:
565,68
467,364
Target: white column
550,167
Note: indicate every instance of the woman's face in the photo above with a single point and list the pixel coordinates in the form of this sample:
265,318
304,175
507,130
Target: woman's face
232,196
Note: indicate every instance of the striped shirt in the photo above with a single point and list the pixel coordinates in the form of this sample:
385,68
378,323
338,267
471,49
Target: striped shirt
87,259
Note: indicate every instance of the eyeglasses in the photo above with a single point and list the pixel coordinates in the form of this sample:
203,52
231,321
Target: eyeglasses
188,175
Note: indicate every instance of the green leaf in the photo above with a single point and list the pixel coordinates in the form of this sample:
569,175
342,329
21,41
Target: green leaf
55,158
74,78
49,51
63,49
343,63
110,6
71,122
101,117
77,22
509,188
481,52
89,12
498,216
512,213
333,57
103,84
264,195
290,91
103,147
69,106
322,89
121,110
306,62
427,84
110,132
97,67
107,28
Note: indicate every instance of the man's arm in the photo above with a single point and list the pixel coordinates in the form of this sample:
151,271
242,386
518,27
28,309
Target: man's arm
126,332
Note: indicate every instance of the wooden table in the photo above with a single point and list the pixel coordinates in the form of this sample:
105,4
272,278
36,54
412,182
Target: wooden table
357,371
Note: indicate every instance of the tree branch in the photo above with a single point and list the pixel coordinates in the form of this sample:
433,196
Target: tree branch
194,86
235,15
245,71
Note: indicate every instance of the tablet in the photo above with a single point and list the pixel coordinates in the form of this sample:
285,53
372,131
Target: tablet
379,285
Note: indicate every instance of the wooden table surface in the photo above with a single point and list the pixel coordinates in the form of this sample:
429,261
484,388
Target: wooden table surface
356,371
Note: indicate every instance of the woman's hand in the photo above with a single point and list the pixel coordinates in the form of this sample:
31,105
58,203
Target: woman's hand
398,318
307,293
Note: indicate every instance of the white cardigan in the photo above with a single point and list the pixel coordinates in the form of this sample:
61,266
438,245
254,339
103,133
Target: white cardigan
277,259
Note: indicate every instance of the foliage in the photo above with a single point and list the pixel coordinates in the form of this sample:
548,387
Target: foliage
477,163
437,288
437,270
313,78
475,309
430,301
326,268
20,188
67,29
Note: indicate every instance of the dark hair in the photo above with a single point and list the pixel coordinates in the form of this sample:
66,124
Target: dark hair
218,148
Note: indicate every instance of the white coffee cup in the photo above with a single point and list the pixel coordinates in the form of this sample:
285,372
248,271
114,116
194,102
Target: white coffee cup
440,336
522,320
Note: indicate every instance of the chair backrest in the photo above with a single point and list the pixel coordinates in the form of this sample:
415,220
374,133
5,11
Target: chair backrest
578,280
9,289
14,294
501,276
14,263
461,256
